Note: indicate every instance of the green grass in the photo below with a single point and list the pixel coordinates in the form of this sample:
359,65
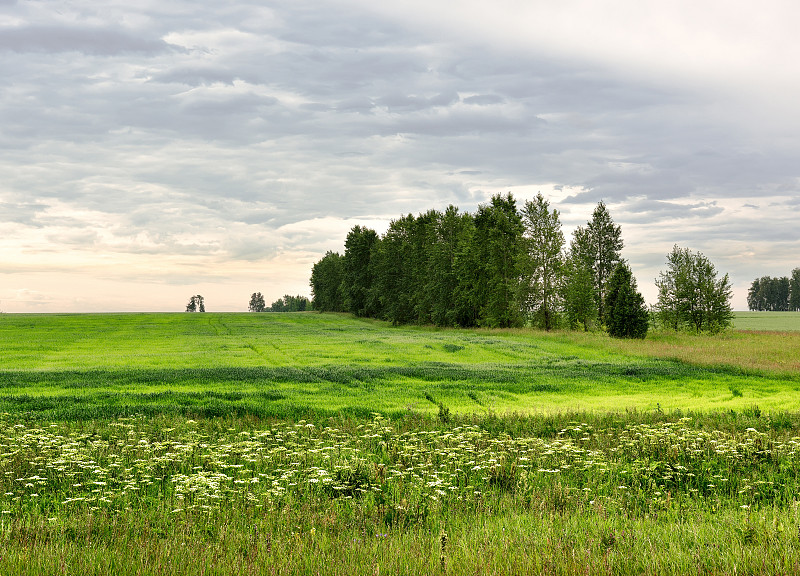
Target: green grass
288,365
767,321
307,443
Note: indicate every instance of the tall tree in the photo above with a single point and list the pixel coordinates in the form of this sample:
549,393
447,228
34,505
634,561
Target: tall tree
673,289
599,246
257,303
627,315
449,264
326,283
580,303
542,263
754,296
606,244
391,270
357,277
794,291
691,295
497,245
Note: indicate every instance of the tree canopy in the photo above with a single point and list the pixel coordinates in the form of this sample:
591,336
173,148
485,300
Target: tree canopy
626,312
775,294
196,304
691,296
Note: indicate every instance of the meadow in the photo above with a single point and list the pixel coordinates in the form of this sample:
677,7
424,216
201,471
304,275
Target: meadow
311,443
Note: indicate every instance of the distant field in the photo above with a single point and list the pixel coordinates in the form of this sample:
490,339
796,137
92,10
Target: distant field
92,366
767,321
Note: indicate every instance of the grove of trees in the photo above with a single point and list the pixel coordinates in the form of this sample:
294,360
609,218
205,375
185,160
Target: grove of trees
690,296
500,267
290,304
504,267
775,294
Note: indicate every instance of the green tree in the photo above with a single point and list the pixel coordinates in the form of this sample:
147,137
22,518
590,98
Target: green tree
448,283
496,245
754,296
542,263
599,246
326,283
627,315
392,272
257,303
196,304
794,290
690,294
290,303
580,303
356,272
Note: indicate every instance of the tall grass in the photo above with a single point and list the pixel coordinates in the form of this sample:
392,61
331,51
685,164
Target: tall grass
627,493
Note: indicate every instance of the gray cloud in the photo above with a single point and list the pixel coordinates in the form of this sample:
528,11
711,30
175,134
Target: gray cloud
89,40
202,130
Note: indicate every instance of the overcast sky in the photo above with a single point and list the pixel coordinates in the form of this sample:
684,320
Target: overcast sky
153,150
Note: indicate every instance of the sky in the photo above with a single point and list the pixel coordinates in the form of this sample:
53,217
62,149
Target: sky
153,150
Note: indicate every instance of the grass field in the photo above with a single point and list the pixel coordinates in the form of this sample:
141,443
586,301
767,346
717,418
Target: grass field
767,321
308,443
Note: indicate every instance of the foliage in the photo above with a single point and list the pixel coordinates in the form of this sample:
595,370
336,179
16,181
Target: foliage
598,247
196,304
356,271
691,296
627,314
497,245
392,269
542,263
290,304
448,263
257,303
775,294
580,304
498,268
327,277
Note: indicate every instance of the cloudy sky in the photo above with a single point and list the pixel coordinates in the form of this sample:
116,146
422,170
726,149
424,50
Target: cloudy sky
152,150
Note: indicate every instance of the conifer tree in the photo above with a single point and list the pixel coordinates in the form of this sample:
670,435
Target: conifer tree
626,312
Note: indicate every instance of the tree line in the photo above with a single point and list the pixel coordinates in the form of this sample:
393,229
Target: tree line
286,304
499,267
775,294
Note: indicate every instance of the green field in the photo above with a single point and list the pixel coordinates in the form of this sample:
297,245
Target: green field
98,366
315,443
767,321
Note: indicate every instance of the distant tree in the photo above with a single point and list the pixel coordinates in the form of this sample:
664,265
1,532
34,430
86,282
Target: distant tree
794,290
326,283
290,304
626,313
775,294
357,278
691,296
542,263
196,304
257,303
754,296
